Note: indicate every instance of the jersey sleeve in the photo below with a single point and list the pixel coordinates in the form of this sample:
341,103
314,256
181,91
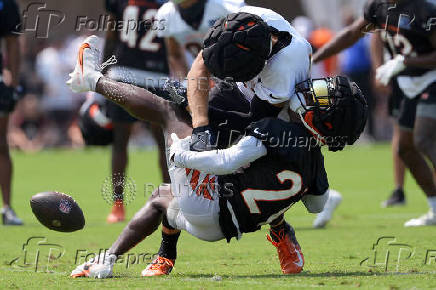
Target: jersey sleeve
320,183
271,132
369,11
233,6
291,65
221,162
163,17
429,19
9,18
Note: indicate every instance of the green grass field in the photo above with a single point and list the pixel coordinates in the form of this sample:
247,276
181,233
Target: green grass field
333,255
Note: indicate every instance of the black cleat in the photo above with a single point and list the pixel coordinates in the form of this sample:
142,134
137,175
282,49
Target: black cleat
397,198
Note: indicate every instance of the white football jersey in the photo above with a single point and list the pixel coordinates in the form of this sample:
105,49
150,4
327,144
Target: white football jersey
291,65
186,36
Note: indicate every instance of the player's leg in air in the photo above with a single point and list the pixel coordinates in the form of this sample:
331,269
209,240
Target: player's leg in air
424,136
144,105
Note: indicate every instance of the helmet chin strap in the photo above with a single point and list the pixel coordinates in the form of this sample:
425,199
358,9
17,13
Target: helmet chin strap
318,136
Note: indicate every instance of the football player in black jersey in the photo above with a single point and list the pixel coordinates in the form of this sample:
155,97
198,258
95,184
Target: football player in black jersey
140,60
9,23
213,200
409,32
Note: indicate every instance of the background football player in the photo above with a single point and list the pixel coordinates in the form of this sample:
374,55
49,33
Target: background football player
141,60
409,33
212,213
9,25
186,22
395,96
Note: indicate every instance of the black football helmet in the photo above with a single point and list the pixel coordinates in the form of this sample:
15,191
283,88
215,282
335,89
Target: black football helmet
333,109
237,46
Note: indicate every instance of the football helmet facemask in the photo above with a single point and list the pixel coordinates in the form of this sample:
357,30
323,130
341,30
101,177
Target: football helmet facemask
333,109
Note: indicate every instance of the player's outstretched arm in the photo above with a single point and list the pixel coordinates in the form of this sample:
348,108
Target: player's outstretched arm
198,92
219,162
344,39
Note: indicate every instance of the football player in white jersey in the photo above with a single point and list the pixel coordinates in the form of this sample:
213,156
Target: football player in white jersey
186,22
283,59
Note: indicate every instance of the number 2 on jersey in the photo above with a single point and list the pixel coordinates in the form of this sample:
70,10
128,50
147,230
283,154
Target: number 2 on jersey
251,196
129,34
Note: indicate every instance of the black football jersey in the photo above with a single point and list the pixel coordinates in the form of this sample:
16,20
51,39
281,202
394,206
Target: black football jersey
409,25
294,166
139,47
9,21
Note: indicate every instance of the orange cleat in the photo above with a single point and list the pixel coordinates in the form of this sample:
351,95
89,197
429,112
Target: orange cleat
118,213
160,266
289,251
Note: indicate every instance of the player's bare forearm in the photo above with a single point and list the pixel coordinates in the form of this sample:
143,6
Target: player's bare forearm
137,101
176,59
423,61
198,92
376,50
344,39
14,58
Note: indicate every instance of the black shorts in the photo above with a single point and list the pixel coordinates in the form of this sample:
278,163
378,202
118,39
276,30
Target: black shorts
424,105
8,99
118,115
407,113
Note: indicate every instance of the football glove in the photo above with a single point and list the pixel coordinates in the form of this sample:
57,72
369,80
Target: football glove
202,139
177,92
390,69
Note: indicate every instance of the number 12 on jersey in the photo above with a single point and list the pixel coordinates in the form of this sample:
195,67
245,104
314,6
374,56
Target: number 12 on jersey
251,196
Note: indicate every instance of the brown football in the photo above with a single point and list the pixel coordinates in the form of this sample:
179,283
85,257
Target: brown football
57,211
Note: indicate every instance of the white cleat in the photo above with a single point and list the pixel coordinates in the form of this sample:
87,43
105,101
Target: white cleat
99,268
332,203
86,73
429,219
